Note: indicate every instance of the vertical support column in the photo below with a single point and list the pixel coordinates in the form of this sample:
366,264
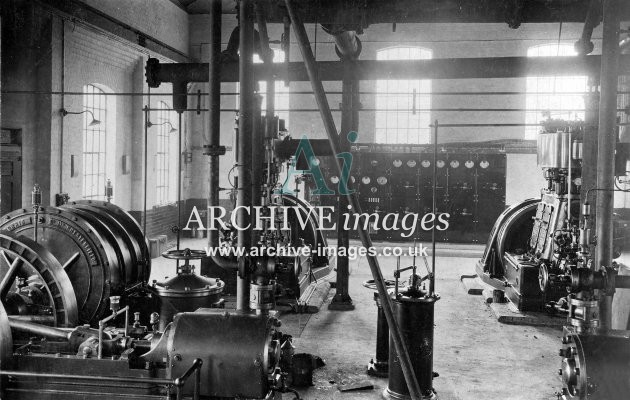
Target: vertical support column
245,131
605,154
589,148
349,123
214,111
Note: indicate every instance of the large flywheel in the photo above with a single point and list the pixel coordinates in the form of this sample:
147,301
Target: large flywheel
87,257
34,285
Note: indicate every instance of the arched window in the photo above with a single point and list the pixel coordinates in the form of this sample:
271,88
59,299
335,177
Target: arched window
403,115
94,143
554,96
165,168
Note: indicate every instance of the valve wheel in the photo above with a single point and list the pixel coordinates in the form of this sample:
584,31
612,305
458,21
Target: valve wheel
543,278
45,293
184,254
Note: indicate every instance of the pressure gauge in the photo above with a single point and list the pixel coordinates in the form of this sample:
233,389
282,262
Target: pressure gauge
397,163
381,180
411,163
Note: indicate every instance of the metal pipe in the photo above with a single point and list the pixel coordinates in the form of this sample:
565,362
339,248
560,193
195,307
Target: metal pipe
331,131
347,44
146,170
584,45
245,130
214,106
605,155
453,68
269,133
434,208
39,329
179,180
257,153
214,127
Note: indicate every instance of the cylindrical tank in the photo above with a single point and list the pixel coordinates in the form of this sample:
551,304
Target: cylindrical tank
240,352
414,312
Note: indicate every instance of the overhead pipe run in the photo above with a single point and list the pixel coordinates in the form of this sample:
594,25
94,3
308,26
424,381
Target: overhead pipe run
593,17
446,68
347,43
329,124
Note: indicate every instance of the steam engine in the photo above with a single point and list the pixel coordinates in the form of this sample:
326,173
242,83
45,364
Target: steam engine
79,317
540,253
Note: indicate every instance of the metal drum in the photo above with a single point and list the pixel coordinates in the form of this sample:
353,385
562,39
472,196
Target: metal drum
83,250
239,350
414,312
124,223
186,291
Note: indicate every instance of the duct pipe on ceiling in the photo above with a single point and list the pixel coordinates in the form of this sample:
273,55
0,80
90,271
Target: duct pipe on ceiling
347,43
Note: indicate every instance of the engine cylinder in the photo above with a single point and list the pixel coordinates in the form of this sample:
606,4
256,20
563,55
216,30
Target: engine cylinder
239,351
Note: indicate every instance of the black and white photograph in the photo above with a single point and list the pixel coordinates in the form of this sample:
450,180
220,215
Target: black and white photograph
315,199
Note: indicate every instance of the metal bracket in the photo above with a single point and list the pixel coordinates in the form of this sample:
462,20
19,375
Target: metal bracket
214,150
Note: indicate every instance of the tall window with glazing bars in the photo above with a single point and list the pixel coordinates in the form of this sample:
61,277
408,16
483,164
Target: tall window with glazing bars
558,97
403,114
94,143
164,125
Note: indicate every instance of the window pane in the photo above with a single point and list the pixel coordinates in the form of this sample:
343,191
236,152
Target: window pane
403,104
94,143
545,93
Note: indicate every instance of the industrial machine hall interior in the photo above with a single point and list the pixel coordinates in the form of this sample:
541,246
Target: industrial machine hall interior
326,199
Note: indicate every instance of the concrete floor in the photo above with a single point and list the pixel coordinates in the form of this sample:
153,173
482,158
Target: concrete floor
476,357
